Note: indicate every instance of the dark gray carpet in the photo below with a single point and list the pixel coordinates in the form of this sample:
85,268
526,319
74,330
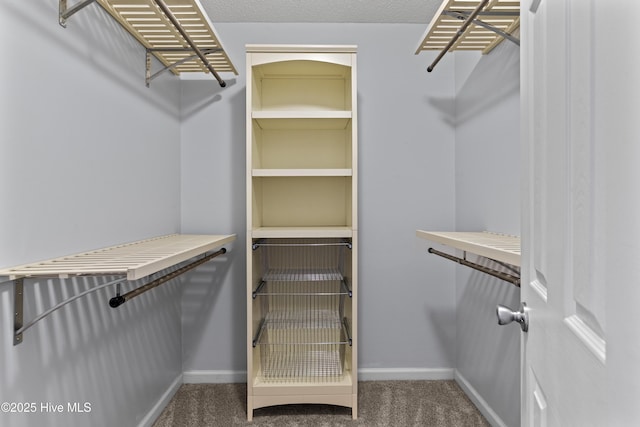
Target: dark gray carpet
381,403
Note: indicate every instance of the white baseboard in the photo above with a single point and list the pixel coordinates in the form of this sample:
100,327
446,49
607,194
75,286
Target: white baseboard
214,377
391,374
162,403
367,374
477,400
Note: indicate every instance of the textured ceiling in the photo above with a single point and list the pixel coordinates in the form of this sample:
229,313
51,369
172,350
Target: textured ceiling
369,11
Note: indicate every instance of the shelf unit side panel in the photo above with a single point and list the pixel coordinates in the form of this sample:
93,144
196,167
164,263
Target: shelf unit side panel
256,199
351,311
354,143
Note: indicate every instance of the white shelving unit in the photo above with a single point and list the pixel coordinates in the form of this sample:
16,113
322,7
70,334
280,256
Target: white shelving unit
302,226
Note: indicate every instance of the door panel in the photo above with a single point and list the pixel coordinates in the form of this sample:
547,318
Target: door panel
564,350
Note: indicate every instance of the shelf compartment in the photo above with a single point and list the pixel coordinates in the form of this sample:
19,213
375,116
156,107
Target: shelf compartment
302,346
301,85
302,201
302,144
307,284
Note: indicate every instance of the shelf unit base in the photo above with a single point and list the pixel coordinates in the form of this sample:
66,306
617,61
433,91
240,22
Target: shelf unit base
285,393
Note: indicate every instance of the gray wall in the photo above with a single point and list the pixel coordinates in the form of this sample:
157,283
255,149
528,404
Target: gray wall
90,158
488,198
406,177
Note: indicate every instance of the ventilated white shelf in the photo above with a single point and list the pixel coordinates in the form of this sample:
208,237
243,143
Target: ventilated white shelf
135,260
500,14
144,20
499,247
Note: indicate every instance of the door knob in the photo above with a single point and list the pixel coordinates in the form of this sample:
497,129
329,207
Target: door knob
506,315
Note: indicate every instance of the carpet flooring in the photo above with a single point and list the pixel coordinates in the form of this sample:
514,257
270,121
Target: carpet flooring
381,404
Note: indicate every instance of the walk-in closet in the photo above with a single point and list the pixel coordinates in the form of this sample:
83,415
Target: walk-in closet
303,213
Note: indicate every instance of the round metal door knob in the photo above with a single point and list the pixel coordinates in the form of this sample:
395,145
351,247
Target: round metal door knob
506,316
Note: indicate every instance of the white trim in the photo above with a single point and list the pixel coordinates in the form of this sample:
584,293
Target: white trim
214,377
477,400
382,374
366,374
162,403
588,337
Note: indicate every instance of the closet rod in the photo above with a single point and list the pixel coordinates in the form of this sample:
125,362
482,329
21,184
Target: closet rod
460,32
188,39
515,280
118,300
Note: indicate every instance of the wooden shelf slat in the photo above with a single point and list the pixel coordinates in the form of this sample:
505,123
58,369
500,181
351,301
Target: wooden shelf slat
146,22
136,259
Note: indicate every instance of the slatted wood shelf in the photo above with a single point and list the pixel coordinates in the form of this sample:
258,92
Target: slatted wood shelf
135,260
445,25
499,247
144,20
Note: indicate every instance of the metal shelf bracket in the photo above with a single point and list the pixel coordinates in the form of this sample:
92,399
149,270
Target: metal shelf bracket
149,53
465,15
65,12
18,307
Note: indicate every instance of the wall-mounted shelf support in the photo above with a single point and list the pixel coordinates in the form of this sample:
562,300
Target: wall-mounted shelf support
149,77
65,13
18,307
19,328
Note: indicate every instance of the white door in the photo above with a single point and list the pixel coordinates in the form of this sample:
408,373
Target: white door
581,212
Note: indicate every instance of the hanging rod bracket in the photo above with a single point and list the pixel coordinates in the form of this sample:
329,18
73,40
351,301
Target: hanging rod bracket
149,76
465,15
514,280
65,13
18,324
18,307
